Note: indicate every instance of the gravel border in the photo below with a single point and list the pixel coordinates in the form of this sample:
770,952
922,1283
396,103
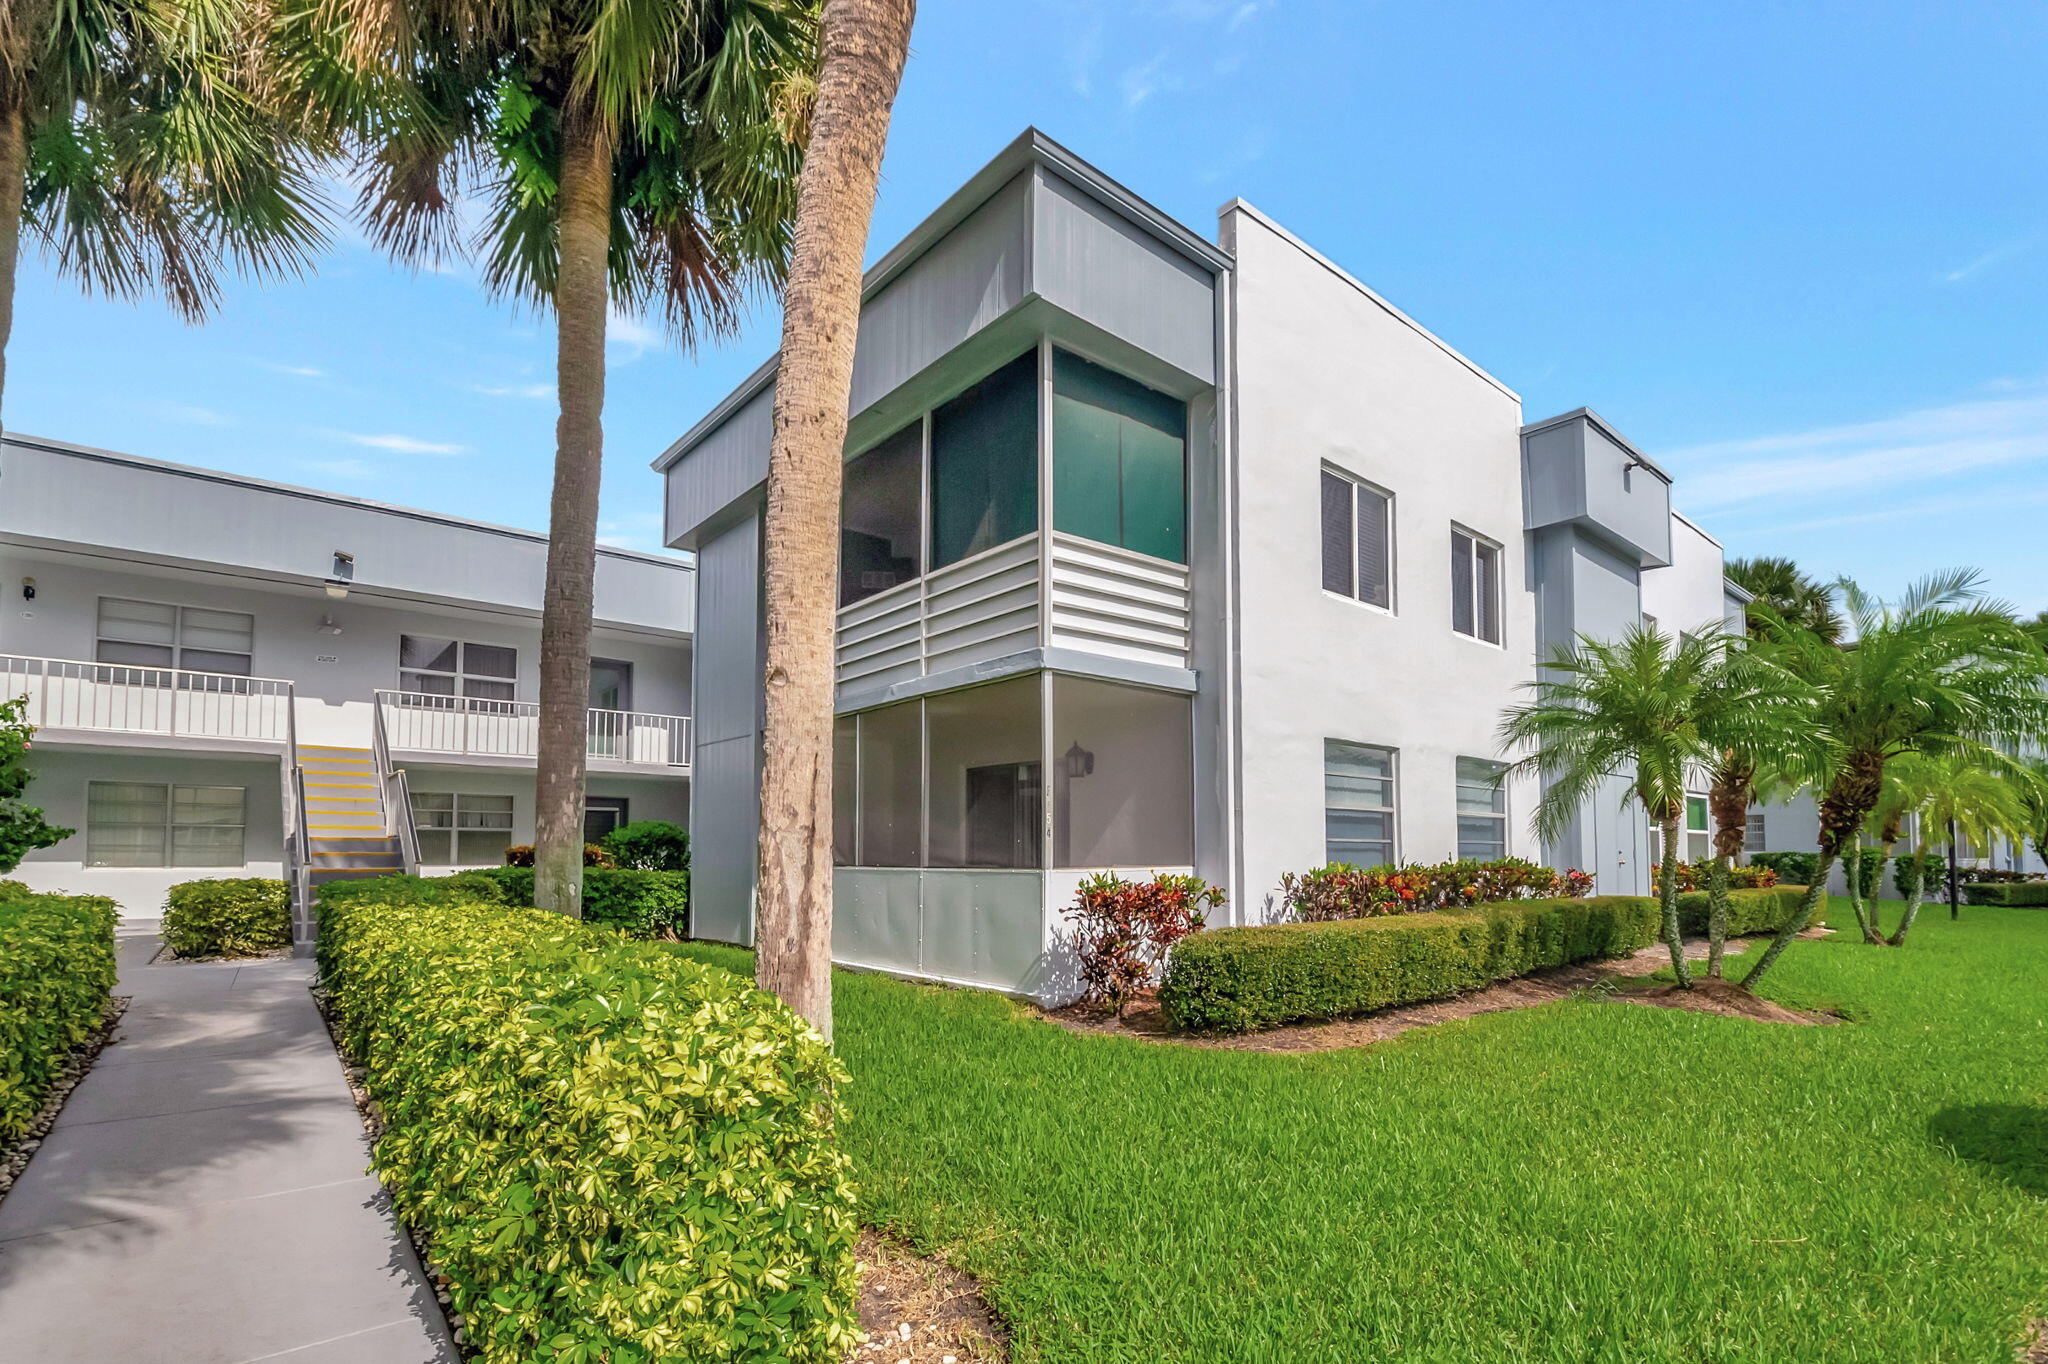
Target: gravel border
14,1158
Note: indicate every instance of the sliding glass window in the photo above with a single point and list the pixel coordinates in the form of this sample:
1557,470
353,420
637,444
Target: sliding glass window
881,515
986,788
985,464
1119,452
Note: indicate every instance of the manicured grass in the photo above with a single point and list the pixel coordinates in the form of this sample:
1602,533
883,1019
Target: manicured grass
1584,1181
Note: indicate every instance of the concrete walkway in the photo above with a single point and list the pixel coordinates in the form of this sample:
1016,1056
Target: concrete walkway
203,1199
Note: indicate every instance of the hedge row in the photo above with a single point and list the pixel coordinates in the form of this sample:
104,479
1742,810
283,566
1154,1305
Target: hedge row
2027,894
615,1153
640,904
56,978
227,917
1241,979
1749,911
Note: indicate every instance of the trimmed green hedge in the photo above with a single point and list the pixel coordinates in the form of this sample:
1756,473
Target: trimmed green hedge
56,977
2023,894
640,904
1241,979
227,917
1749,911
614,1152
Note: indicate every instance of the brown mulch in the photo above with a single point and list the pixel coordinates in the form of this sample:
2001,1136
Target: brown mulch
15,1155
917,1308
2035,1351
1619,979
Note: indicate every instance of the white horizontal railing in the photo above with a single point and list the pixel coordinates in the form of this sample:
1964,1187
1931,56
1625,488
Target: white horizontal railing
124,698
421,722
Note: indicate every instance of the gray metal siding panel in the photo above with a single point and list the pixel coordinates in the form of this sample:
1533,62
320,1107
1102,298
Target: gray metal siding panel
1103,269
724,823
727,464
728,681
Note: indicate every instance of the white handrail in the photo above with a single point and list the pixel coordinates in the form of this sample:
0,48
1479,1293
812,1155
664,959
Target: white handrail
433,723
136,698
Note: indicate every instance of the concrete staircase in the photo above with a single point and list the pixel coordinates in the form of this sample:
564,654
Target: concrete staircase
344,816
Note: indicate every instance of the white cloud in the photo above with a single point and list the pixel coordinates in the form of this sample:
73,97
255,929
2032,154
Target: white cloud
1887,457
351,469
1083,56
515,390
1139,83
404,445
635,530
630,334
189,412
1970,269
297,371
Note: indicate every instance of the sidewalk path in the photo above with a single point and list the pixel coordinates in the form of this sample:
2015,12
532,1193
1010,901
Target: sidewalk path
202,1199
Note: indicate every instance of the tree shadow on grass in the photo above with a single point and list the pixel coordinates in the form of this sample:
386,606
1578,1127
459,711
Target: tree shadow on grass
2007,1140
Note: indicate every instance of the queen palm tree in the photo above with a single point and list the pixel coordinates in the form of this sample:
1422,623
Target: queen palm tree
864,45
1783,591
1943,674
640,156
1641,707
144,143
1980,802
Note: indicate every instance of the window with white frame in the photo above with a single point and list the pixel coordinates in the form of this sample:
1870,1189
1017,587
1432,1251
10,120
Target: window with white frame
1696,837
1358,803
459,829
1753,834
1358,540
159,635
159,824
1482,808
1475,586
448,667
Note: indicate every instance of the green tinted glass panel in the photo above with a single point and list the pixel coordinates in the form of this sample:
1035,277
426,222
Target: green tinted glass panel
1084,471
1155,493
985,464
1696,813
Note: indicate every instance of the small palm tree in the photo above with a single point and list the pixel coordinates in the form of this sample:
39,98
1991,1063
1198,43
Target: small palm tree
643,156
1783,591
1627,708
145,142
865,44
1941,674
1980,802
2034,793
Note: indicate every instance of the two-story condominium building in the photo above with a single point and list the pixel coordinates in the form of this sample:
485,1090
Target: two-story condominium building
234,677
1159,554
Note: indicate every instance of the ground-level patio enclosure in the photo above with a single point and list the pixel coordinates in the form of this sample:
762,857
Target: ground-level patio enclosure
1029,516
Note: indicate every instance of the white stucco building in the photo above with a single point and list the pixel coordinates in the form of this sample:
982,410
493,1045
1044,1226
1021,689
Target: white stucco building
1159,552
235,677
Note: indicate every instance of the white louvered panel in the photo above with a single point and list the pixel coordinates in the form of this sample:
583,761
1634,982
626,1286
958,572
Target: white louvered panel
1110,601
982,609
881,639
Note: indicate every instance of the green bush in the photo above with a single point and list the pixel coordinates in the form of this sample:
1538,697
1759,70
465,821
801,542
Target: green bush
2015,893
227,917
1240,979
649,845
614,1152
1749,911
1793,868
56,977
640,904
1934,873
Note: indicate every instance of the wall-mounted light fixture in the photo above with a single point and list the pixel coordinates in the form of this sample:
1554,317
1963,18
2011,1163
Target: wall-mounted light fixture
1079,761
28,589
344,573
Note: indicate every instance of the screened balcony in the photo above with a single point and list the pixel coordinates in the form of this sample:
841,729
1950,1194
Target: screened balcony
1044,507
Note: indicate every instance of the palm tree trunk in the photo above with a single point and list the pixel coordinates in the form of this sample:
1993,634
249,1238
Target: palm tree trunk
13,184
1809,905
1717,915
1667,899
584,214
1729,799
863,44
1916,884
1884,846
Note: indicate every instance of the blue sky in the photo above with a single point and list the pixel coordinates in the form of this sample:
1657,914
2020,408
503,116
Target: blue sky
1797,253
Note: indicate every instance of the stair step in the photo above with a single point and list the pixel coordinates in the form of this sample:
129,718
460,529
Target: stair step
333,748
321,876
358,862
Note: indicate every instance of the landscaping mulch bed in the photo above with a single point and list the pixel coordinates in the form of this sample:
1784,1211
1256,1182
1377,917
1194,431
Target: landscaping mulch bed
1619,979
14,1157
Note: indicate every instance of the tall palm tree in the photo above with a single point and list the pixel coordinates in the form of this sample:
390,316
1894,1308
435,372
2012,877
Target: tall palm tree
640,155
1630,707
143,143
864,46
1941,674
1980,802
1783,591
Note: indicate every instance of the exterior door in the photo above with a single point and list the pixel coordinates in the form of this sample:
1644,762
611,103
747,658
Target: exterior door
611,694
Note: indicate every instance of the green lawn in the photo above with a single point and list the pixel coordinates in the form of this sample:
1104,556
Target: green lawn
1586,1181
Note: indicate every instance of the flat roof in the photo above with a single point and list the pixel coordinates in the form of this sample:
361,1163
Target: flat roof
1607,429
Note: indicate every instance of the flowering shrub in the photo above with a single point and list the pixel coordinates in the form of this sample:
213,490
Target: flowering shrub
1342,891
521,855
1122,930
1693,876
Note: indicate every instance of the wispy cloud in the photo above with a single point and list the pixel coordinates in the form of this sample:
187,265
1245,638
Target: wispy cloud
398,444
630,334
352,470
514,390
1084,53
1139,83
298,371
190,413
1890,456
1996,256
635,530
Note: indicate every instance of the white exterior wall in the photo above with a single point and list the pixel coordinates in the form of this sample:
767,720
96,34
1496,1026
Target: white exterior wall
646,798
1690,593
1325,372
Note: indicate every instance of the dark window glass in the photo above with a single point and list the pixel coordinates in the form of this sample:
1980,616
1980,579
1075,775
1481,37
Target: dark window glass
1461,583
879,516
1375,548
1119,460
1337,563
985,464
1486,589
845,787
